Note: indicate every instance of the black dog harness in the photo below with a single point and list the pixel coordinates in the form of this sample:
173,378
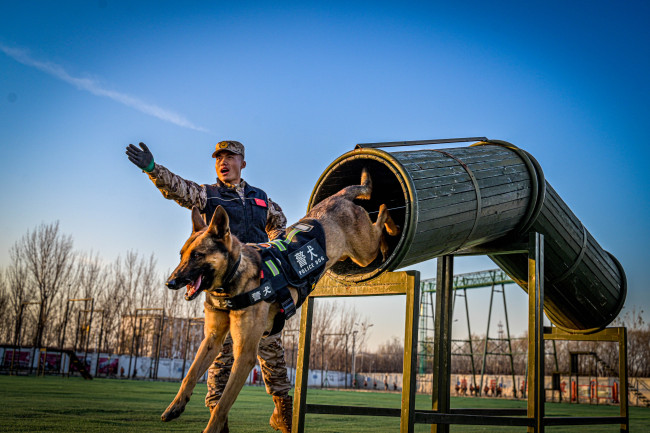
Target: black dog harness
297,261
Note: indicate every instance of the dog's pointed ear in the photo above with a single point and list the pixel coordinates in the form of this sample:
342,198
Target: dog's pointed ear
220,224
198,223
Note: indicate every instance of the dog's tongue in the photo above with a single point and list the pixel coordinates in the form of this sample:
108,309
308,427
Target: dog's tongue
193,289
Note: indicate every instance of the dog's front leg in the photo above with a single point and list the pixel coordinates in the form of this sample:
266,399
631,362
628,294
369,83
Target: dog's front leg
215,333
246,329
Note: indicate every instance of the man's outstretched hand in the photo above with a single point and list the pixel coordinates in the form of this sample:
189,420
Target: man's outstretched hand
142,158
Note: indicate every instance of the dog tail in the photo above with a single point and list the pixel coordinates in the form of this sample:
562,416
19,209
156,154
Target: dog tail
362,191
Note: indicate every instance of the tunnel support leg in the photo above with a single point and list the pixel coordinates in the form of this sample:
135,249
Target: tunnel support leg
442,340
536,332
302,370
622,378
409,377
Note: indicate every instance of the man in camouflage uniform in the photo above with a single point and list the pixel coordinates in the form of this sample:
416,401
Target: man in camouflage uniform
253,218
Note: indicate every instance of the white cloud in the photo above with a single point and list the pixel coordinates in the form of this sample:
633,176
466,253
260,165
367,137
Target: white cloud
95,88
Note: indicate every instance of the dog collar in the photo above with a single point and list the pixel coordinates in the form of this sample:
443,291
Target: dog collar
231,272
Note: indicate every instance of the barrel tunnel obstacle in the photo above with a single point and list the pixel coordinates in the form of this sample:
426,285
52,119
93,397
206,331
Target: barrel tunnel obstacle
451,200
490,198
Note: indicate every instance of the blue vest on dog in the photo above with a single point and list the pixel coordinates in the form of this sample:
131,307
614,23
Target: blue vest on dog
247,218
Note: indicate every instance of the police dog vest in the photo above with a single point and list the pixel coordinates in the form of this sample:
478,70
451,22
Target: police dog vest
298,261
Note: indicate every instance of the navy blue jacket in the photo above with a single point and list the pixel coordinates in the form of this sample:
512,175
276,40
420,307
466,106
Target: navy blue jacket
247,218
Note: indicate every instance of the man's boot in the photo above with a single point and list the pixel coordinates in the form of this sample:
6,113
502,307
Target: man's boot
282,414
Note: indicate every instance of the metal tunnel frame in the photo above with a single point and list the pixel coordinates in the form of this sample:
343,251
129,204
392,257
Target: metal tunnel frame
441,414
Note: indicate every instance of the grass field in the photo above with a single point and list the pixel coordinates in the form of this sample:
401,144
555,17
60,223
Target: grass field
54,404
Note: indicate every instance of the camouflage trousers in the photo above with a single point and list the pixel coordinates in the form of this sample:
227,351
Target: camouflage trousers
274,369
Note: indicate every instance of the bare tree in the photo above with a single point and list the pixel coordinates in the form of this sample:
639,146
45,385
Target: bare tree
90,276
336,328
16,283
6,323
638,339
134,284
177,311
136,278
390,356
49,260
322,324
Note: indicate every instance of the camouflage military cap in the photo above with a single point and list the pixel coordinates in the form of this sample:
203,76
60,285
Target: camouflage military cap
230,146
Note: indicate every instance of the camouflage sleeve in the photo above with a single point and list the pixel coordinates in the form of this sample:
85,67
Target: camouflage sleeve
276,222
173,187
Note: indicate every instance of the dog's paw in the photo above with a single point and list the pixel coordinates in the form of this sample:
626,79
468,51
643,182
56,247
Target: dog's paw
384,251
393,229
172,412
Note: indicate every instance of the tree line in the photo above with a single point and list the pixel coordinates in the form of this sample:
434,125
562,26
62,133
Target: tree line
43,287
52,295
49,290
595,358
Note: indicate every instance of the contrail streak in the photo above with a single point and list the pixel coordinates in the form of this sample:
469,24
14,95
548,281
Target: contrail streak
92,86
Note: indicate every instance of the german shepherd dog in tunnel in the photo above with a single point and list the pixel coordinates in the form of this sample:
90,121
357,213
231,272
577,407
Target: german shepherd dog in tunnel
207,265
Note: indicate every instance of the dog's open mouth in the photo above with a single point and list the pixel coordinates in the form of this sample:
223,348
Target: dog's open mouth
193,289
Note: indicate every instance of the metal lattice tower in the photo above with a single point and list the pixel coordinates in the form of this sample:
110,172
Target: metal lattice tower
460,347
502,345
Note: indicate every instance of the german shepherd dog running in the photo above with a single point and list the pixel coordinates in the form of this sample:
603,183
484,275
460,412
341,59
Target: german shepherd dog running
215,261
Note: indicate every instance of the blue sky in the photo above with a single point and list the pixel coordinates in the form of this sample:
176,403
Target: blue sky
301,83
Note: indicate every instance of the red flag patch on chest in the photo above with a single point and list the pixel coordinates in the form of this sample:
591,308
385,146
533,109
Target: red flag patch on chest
260,202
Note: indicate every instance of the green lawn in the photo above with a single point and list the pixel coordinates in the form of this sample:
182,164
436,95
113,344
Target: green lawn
54,404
